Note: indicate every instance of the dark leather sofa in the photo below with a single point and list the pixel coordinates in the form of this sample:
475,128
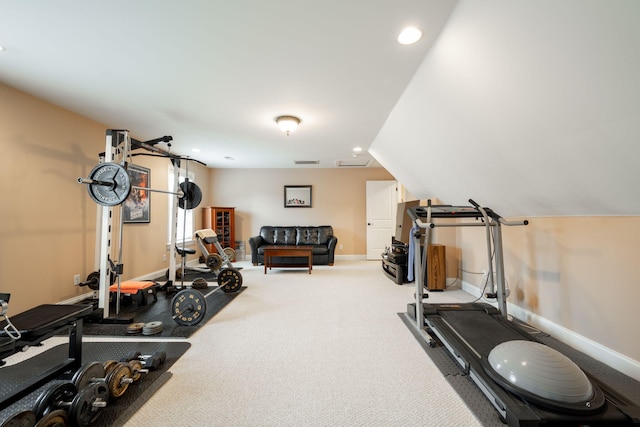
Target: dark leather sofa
320,237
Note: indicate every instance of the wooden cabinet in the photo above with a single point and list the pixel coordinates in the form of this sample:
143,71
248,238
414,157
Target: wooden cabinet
222,221
436,264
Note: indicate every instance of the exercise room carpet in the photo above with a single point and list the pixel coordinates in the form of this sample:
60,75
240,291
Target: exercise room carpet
118,411
159,311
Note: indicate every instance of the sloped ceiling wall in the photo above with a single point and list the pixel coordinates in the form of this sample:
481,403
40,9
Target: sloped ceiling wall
531,108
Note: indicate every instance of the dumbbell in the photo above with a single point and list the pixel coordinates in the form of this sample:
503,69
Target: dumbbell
83,407
149,361
117,376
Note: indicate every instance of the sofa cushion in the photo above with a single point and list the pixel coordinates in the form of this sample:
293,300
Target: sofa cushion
313,235
278,235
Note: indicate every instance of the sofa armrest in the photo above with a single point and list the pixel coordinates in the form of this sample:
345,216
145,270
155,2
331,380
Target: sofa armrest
254,243
332,244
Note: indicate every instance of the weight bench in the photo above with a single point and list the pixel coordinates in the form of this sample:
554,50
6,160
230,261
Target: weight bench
36,325
139,291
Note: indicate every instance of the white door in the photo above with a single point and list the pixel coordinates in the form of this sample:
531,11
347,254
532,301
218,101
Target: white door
381,216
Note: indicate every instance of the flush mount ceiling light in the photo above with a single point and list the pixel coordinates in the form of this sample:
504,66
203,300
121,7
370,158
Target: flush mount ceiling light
287,124
409,35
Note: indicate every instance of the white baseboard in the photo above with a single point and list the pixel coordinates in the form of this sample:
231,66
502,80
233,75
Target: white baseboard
350,257
609,357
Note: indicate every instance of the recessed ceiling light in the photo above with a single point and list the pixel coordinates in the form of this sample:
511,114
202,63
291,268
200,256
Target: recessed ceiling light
409,35
357,149
1,48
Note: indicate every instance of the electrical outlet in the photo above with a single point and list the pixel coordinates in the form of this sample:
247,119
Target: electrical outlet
76,280
340,246
164,257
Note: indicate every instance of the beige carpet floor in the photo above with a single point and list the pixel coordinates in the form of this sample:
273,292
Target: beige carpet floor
326,349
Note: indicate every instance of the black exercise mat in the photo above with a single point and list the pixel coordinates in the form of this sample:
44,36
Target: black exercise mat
118,411
477,402
157,311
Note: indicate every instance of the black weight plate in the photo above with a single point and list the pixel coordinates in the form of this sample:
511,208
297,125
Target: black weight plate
57,418
161,355
20,419
230,280
94,280
107,195
188,307
51,398
88,404
86,374
192,195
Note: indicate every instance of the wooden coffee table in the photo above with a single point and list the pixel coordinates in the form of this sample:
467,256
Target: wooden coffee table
287,251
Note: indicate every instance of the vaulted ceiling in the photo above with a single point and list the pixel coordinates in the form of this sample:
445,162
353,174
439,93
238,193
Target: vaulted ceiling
529,107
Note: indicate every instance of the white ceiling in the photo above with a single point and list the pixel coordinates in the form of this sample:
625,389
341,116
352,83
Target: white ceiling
214,74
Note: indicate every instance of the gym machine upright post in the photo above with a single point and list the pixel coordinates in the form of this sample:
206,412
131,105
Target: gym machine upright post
109,185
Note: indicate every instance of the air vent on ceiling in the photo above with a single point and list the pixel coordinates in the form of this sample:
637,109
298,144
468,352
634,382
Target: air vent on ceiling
354,163
306,162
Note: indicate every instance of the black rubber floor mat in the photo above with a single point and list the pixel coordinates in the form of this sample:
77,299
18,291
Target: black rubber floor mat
159,311
135,395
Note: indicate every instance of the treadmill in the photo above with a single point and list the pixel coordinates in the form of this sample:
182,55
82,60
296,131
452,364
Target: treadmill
527,382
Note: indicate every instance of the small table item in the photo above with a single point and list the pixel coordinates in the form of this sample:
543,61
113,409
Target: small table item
287,251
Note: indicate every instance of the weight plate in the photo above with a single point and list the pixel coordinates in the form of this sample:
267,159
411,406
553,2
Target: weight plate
109,195
213,261
199,283
108,366
57,418
135,328
119,379
86,374
94,280
192,195
20,419
152,328
136,366
88,404
161,355
52,398
188,307
230,280
230,253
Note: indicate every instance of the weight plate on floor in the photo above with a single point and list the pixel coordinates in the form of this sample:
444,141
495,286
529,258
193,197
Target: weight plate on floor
230,280
135,328
57,418
20,419
199,283
161,355
88,404
118,380
112,195
51,398
188,307
84,375
136,367
152,328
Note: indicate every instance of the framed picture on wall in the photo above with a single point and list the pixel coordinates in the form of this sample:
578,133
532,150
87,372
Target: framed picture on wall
297,196
137,207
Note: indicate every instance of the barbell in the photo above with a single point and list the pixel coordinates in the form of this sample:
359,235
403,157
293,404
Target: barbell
109,184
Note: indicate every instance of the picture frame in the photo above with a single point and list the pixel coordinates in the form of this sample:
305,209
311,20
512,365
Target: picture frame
137,207
297,196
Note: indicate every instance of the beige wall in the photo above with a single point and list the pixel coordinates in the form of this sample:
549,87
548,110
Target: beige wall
258,196
47,219
576,272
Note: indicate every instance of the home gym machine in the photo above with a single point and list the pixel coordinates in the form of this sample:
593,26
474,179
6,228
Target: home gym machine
109,184
527,382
